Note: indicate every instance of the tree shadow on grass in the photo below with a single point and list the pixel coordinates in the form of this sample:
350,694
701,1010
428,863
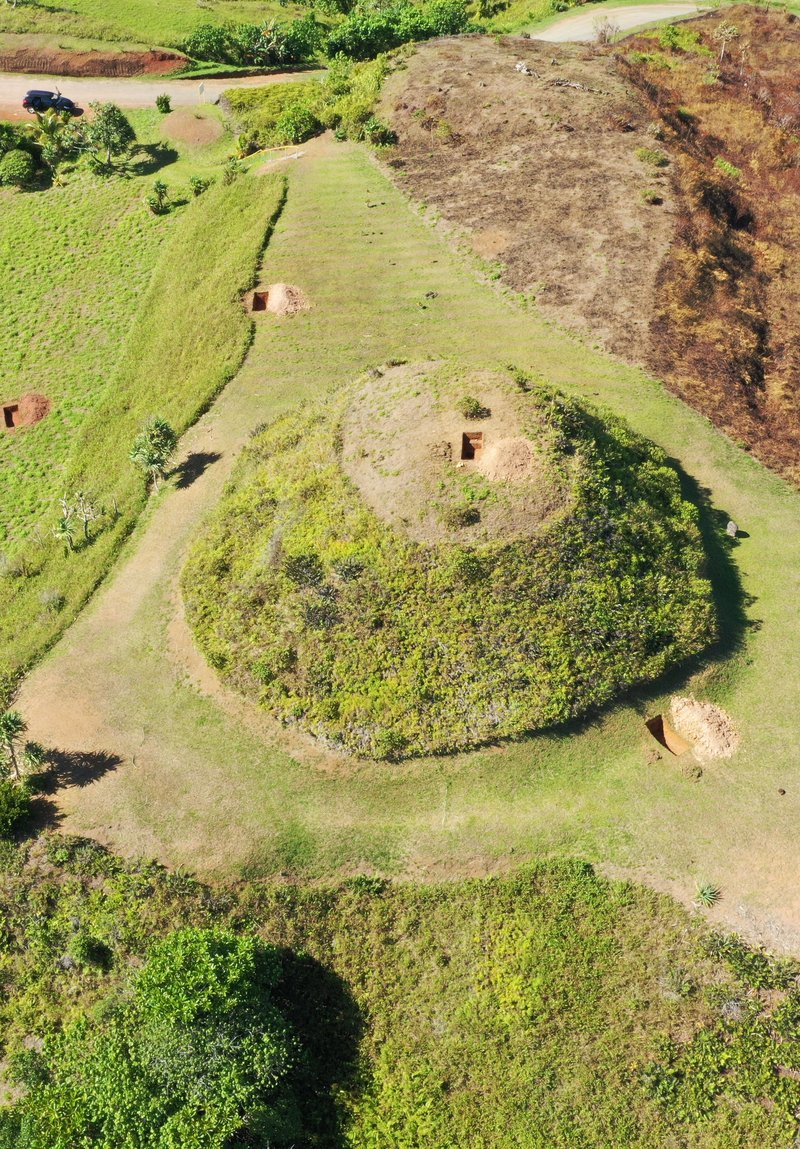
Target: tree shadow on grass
192,467
151,158
325,1016
64,768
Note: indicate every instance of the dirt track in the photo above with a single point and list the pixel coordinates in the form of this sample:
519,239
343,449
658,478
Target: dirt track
583,26
125,92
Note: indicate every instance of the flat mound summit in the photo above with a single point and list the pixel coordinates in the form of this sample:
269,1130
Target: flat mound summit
435,559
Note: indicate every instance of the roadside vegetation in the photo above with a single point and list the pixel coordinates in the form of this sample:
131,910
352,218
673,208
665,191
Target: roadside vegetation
552,1008
344,101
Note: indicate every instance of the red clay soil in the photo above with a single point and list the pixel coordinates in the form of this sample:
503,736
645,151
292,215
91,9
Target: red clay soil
51,62
30,409
191,126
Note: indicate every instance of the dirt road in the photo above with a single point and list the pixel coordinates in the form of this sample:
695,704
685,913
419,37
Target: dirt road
127,93
583,25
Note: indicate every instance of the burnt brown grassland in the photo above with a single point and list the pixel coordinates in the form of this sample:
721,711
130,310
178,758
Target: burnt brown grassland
644,193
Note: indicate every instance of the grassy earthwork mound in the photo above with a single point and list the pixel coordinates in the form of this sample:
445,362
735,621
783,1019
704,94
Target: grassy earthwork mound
433,561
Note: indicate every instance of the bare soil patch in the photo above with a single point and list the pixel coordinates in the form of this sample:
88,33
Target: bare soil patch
191,127
24,412
706,726
62,62
540,167
645,193
413,454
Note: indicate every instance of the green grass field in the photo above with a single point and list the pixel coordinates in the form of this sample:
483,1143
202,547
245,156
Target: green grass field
164,23
115,315
214,788
536,1011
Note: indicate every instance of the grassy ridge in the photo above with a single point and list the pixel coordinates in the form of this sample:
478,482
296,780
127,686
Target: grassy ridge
528,1011
189,338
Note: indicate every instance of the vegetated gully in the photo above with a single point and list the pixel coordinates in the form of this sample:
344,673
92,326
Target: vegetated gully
201,788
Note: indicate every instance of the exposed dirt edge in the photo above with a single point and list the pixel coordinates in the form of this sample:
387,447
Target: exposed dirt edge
92,63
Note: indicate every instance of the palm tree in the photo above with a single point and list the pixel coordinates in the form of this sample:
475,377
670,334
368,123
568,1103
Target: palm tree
13,728
64,530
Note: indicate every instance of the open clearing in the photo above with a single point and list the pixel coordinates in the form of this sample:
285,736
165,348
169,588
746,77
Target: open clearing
200,786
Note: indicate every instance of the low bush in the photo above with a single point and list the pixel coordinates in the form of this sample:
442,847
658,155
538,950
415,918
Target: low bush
652,156
17,169
15,806
291,113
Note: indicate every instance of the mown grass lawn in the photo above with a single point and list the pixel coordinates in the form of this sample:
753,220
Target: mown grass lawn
213,790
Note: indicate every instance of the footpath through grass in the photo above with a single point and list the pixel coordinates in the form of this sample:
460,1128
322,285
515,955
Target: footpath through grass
539,1011
214,792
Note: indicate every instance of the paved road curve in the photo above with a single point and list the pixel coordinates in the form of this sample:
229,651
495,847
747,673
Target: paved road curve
582,26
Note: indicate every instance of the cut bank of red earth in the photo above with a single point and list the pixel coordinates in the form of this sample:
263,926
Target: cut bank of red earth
646,198
54,61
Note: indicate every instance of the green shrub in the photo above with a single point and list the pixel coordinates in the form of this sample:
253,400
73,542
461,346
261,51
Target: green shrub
471,408
164,103
197,1054
198,185
15,806
273,44
17,169
371,29
728,169
649,196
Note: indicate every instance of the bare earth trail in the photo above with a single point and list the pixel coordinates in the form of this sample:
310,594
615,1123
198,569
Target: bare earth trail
205,784
583,25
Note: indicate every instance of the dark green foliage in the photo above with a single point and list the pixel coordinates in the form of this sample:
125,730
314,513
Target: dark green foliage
17,169
432,649
516,1013
110,134
196,1055
164,103
372,28
15,805
153,448
269,45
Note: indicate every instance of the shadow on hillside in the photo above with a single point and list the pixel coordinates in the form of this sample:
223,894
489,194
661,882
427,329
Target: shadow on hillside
192,467
325,1016
731,603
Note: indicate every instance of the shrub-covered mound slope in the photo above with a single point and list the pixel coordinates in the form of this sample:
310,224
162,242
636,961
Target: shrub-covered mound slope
364,579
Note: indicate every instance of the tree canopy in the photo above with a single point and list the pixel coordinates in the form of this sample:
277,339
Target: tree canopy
195,1055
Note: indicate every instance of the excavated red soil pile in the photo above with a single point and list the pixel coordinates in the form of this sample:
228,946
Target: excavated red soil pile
24,412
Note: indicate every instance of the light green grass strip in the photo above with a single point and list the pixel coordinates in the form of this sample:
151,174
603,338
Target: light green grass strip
189,339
